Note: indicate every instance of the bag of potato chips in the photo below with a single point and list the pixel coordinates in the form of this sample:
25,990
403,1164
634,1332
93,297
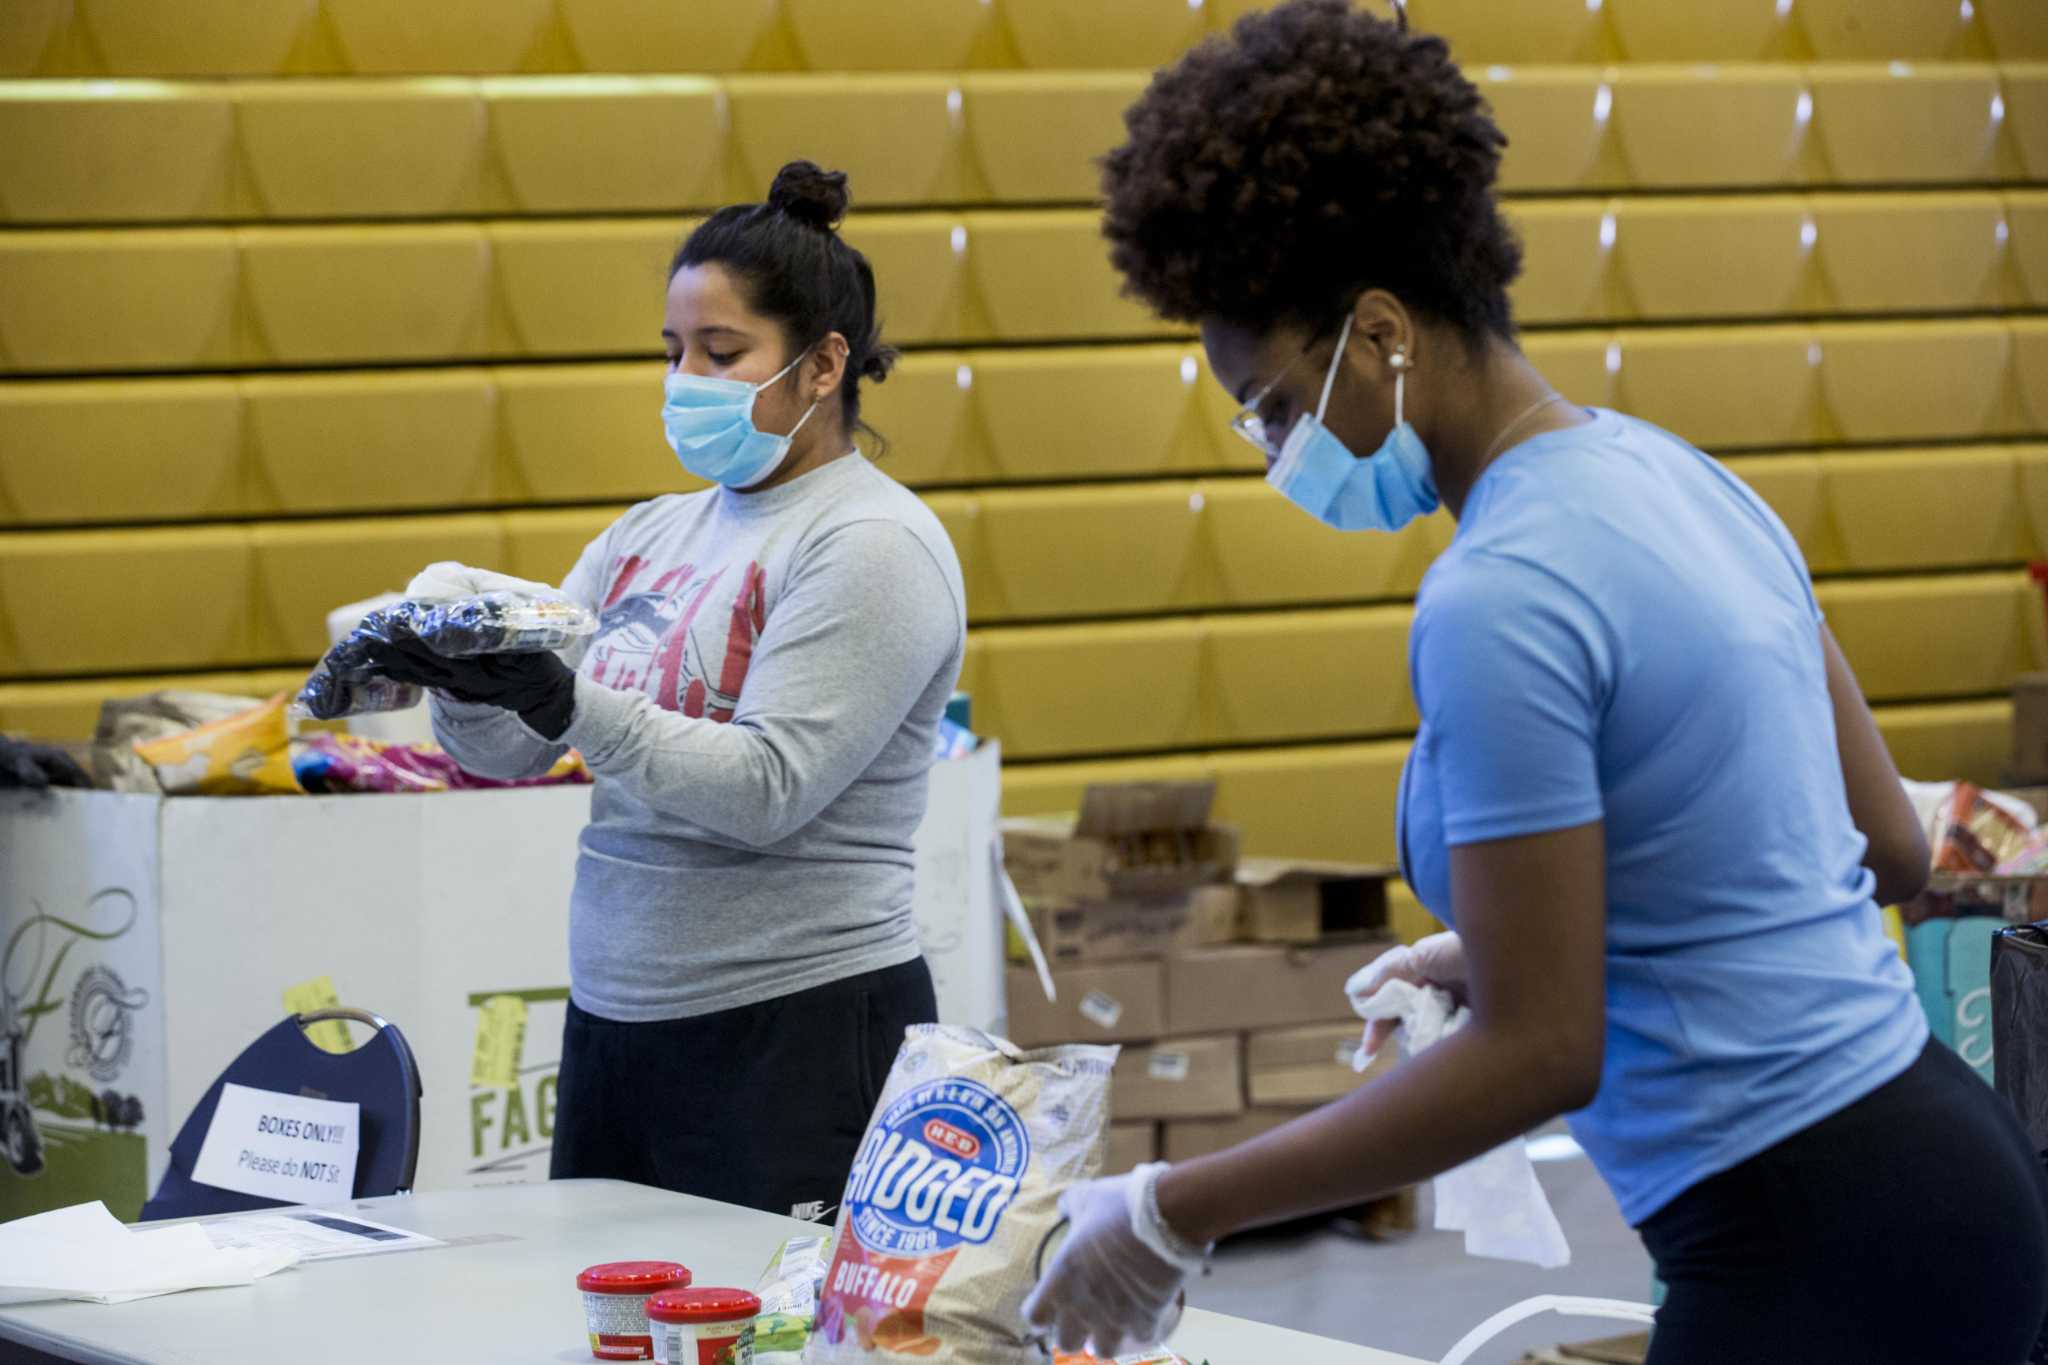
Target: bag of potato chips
952,1196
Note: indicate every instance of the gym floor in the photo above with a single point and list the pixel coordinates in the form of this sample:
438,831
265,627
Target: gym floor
1420,1293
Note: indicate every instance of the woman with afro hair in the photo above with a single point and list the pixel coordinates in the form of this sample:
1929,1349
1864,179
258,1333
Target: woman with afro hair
1647,792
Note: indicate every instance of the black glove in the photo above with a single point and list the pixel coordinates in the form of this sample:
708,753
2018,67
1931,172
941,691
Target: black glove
539,686
38,766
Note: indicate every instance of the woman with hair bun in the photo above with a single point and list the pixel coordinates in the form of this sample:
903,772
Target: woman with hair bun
758,707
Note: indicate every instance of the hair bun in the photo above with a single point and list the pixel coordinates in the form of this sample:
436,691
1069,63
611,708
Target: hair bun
810,194
880,359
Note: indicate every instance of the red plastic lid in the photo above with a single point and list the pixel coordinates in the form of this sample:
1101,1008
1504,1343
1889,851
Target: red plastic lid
633,1277
703,1305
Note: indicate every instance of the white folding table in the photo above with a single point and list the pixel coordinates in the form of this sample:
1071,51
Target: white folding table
502,1290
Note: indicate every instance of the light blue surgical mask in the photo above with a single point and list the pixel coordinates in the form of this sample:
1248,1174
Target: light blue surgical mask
1382,492
710,427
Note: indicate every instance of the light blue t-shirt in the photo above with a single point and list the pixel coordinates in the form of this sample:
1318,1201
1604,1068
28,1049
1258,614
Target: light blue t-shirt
1622,631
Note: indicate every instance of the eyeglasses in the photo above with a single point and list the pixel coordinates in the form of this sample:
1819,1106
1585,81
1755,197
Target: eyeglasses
1249,425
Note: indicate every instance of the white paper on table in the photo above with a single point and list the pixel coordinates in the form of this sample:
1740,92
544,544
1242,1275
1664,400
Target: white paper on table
291,1148
84,1252
312,1234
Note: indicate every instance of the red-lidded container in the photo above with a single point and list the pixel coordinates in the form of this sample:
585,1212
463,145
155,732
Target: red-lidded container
615,1305
703,1326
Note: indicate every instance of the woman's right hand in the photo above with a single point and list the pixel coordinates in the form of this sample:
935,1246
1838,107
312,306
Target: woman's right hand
1438,960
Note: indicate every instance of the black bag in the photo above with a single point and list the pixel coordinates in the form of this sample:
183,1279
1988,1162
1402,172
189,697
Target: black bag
2019,1037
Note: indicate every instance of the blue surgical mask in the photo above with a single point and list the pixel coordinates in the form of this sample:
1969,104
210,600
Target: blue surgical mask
710,427
1382,492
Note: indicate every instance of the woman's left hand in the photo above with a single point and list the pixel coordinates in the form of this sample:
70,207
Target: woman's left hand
1109,1286
539,687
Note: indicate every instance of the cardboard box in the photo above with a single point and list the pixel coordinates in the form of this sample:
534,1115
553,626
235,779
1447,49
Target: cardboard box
1131,1145
1312,1065
1180,1078
1186,1139
1113,1002
1215,990
2029,761
1122,930
1306,902
1132,841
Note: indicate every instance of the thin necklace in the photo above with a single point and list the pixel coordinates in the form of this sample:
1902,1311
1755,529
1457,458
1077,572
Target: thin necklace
1527,413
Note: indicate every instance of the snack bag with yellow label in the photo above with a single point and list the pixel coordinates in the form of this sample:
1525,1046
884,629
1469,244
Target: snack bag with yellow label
953,1195
246,754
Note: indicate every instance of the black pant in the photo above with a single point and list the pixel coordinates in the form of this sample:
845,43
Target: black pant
762,1106
1911,1228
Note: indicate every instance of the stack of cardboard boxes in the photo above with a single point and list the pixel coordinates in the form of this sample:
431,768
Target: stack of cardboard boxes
1222,978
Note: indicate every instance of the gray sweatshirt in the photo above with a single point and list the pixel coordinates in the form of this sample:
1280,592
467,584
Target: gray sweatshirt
758,707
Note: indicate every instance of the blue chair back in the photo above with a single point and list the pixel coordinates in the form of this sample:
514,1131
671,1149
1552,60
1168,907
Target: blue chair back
380,1076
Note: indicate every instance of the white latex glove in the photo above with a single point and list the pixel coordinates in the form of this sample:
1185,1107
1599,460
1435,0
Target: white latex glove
449,581
1116,1280
1438,960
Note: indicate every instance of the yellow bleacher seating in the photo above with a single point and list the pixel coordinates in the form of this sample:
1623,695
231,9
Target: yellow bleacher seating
348,295
582,288
1740,126
1035,136
924,276
1739,257
1727,388
1584,365
28,30
362,148
664,35
71,151
929,419
70,710
1903,123
2026,244
303,571
143,37
544,546
1725,31
84,602
1245,521
1069,33
1482,31
366,441
900,139
1335,802
1069,552
2030,463
576,433
447,36
1560,126
1089,689
1565,276
2018,28
76,451
1888,30
1794,485
1048,274
1056,788
1951,508
2030,373
1957,635
1918,381
140,299
608,144
1278,676
1967,740
1899,253
915,35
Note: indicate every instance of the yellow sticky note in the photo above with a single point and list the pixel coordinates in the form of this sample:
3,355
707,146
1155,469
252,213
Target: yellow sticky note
500,1042
329,1035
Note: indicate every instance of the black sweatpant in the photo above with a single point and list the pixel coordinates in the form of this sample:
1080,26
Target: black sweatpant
1911,1228
762,1106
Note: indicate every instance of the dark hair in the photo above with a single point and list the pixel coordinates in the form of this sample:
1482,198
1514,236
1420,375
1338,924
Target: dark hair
795,268
1315,154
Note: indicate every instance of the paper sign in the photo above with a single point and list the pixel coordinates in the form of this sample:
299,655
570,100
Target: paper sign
1168,1066
278,1146
312,1236
329,1035
1100,1009
500,1043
